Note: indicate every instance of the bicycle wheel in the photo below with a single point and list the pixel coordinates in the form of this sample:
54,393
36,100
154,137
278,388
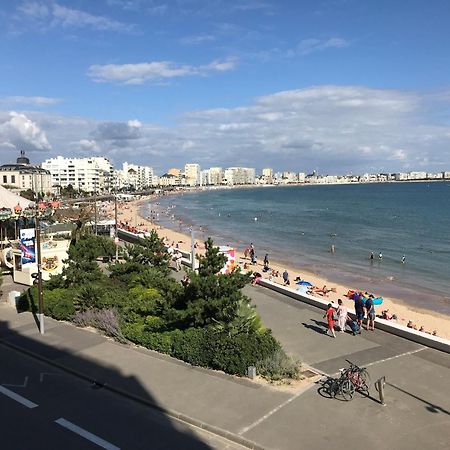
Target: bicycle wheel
364,378
334,388
347,390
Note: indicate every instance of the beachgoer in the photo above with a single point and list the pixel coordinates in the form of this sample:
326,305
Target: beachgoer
403,259
266,261
412,325
342,315
359,309
330,320
286,277
256,278
380,256
422,329
185,281
370,308
371,256
252,255
177,258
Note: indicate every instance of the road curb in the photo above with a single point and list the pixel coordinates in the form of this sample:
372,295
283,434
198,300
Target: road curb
167,411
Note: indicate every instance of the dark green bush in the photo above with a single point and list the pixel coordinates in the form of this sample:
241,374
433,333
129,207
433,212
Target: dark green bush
59,303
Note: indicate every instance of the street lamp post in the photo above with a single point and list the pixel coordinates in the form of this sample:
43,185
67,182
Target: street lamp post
39,277
116,232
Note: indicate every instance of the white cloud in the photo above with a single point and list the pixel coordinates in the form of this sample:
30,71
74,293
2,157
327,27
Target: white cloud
38,101
19,131
54,14
334,129
153,71
311,45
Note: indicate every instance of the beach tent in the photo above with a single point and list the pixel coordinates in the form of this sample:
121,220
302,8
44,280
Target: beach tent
9,200
304,283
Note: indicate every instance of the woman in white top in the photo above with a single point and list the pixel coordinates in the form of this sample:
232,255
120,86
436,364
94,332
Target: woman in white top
342,316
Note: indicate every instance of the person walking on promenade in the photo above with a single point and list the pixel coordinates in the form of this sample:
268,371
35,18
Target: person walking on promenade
359,309
330,320
370,308
286,277
342,316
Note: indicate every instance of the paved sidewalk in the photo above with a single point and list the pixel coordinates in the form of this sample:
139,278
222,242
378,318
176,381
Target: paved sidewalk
418,393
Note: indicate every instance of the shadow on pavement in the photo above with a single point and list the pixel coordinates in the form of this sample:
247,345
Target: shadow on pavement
431,407
315,328
160,433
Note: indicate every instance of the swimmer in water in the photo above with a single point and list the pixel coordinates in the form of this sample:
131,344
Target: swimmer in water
403,259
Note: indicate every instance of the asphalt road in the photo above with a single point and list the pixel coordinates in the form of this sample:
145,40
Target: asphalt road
45,408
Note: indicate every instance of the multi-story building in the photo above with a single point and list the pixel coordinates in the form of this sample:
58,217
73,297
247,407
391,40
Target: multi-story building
301,177
192,174
239,175
174,171
215,176
94,174
139,177
172,180
23,176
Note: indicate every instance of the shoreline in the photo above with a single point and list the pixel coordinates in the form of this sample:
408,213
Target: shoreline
430,320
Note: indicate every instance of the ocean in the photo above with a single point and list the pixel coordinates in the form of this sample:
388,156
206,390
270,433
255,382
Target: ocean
298,225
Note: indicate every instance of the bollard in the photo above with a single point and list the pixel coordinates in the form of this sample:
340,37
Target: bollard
379,386
251,372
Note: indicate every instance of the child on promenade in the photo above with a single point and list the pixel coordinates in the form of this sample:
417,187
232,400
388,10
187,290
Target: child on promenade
330,320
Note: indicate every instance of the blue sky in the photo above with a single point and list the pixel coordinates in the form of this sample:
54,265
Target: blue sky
334,85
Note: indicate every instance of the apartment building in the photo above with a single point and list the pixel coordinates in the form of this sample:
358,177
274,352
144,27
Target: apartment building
139,177
239,175
94,174
192,174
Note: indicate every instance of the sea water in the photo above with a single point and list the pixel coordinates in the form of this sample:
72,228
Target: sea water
298,225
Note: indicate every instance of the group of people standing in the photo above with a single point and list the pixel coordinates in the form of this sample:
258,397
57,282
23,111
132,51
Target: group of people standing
341,316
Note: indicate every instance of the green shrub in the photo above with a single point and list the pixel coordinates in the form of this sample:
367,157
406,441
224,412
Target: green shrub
278,366
59,303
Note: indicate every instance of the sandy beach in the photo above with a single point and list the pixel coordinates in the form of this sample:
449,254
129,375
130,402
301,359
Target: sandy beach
128,212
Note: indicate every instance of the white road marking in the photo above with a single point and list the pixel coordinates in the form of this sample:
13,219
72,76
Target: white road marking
24,384
43,374
18,398
390,358
276,409
86,434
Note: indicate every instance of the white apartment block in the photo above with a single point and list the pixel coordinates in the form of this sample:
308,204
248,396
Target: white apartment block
192,174
139,177
92,174
301,177
215,176
239,175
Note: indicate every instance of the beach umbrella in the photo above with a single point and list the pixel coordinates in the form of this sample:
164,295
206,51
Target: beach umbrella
304,283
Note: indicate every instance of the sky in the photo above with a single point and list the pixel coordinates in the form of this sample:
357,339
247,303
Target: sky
336,86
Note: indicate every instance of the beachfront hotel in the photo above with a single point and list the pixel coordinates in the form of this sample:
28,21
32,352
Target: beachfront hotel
23,176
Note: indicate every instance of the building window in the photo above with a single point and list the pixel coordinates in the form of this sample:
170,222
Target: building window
13,179
5,179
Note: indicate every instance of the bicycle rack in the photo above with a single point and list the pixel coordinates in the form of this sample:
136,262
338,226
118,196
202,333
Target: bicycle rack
379,386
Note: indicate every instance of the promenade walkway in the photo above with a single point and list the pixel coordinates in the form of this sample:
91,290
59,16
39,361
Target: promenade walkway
418,392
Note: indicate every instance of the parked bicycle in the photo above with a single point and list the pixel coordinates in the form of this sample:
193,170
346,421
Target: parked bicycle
341,387
358,376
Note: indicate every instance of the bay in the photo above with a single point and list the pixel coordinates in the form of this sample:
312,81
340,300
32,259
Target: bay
298,225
